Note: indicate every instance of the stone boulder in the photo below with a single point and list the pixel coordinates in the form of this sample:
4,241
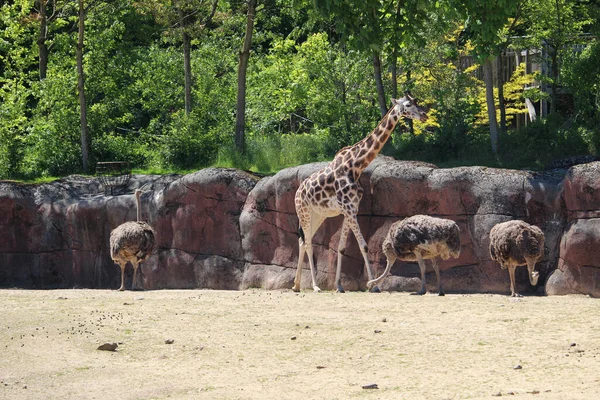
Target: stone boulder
578,268
196,219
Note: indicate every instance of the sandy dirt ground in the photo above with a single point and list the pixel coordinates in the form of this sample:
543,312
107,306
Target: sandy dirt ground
260,344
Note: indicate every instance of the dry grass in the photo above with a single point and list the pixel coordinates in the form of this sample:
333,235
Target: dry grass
238,345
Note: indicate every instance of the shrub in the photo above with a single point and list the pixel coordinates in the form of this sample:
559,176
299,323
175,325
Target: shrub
186,144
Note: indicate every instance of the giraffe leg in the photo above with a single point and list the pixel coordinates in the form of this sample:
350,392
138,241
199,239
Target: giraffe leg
511,273
301,254
362,244
437,274
315,221
122,265
313,274
341,247
422,266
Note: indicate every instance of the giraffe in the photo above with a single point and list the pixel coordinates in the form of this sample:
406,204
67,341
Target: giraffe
335,190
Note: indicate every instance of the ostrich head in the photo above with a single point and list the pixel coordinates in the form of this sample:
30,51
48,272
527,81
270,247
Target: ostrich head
533,275
407,107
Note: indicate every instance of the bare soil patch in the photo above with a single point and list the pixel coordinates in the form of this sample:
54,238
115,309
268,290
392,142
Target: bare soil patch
256,344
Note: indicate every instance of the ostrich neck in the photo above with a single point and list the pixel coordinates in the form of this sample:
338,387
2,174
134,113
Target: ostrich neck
139,207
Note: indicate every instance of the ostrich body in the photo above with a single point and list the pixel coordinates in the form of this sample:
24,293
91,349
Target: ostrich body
515,243
419,238
132,241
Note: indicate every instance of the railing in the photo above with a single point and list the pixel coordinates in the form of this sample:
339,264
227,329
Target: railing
113,175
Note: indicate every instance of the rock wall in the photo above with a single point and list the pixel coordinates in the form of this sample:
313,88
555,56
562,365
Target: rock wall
227,229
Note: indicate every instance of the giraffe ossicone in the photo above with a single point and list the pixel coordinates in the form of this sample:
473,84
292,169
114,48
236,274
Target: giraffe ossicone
336,190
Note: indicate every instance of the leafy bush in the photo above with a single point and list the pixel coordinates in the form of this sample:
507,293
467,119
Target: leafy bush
13,129
52,151
270,153
541,142
581,73
186,144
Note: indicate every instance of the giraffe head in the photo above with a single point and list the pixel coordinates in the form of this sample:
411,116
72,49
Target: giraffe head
407,107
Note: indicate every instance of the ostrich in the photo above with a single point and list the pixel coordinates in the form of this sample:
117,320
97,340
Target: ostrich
419,238
515,243
132,241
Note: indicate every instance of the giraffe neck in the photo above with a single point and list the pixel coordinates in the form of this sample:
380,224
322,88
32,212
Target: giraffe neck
367,149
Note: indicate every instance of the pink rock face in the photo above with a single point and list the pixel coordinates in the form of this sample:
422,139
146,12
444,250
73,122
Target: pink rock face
578,268
196,220
226,229
476,198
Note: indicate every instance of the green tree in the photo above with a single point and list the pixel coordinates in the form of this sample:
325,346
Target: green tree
554,26
484,23
186,19
369,25
17,71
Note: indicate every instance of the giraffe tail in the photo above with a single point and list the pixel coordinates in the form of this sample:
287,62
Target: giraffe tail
301,233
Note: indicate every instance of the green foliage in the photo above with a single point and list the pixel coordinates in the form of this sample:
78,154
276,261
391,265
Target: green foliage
581,73
13,123
514,96
311,89
186,145
269,154
543,141
485,21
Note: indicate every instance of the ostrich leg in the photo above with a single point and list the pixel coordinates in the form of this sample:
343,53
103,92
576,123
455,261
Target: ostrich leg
135,268
511,273
437,274
422,266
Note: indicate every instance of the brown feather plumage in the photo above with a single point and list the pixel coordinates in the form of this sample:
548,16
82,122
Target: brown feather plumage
405,236
515,242
131,242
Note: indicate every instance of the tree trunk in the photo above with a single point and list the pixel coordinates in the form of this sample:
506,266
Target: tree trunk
394,67
81,89
43,49
379,82
411,126
240,123
187,69
501,105
187,72
489,97
554,85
